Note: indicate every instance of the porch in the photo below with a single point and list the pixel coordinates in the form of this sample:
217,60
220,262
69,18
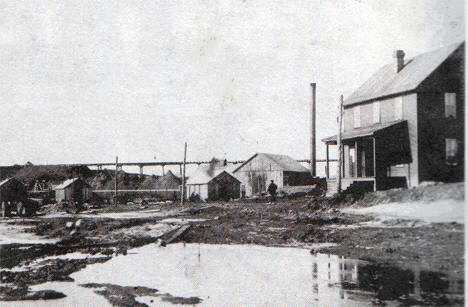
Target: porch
368,156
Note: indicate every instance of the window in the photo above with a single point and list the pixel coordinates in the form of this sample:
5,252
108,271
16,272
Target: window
451,151
450,105
398,108
357,116
376,112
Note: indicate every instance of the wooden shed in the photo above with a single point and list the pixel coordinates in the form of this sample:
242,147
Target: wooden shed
257,172
213,183
12,189
74,189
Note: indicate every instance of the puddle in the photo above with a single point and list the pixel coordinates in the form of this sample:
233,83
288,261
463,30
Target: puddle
250,275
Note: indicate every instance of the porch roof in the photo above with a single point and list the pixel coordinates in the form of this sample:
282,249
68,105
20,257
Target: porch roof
362,131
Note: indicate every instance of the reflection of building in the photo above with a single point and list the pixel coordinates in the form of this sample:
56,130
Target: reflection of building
336,279
329,274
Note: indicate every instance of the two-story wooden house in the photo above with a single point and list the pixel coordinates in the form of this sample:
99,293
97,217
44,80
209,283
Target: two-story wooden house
405,124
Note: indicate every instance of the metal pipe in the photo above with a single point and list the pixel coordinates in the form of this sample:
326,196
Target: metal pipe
313,165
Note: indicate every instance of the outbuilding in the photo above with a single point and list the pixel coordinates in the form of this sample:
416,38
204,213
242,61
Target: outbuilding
257,172
74,189
213,183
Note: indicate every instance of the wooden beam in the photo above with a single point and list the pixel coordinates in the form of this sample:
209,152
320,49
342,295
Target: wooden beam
327,173
115,181
340,144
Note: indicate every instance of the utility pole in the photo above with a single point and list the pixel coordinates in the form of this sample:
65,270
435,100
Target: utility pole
182,194
340,145
115,181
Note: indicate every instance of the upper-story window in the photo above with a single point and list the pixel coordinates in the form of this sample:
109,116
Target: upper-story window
451,151
398,108
450,105
357,116
376,112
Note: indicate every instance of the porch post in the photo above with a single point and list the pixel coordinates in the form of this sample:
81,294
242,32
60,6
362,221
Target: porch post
355,166
375,165
327,173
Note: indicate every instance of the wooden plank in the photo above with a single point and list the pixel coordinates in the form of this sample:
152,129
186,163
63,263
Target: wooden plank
172,236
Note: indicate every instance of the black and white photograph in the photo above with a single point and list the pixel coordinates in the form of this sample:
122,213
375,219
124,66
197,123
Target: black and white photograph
232,153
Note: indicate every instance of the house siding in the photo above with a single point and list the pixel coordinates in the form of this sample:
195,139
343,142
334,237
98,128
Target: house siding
434,127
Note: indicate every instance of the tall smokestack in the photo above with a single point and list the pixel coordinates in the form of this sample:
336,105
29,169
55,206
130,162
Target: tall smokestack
313,163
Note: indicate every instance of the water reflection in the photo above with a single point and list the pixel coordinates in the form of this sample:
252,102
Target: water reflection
251,275
338,278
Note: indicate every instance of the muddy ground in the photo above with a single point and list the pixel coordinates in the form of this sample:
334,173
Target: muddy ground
298,222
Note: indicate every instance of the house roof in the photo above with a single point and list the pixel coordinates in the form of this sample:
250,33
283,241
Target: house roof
362,132
286,163
205,173
67,183
386,81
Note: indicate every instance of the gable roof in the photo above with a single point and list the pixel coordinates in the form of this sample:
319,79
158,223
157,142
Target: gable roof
205,173
286,163
386,81
67,183
168,180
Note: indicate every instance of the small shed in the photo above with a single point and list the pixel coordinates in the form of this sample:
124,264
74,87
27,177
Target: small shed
74,189
167,184
213,183
257,172
12,189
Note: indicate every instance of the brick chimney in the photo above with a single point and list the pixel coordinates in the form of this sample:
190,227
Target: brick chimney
400,56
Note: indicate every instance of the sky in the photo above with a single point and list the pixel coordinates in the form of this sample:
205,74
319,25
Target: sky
85,81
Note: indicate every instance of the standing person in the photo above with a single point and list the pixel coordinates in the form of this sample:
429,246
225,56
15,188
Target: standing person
272,190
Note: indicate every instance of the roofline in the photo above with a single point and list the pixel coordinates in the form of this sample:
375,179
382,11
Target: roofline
245,162
380,98
460,45
224,171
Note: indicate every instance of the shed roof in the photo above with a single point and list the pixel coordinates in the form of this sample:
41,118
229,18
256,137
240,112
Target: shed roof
6,181
205,173
362,132
286,163
67,183
386,81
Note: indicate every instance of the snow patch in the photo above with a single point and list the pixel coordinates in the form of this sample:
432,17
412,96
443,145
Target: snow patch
440,211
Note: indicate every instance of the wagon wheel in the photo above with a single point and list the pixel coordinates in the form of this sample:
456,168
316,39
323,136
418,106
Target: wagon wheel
5,209
20,209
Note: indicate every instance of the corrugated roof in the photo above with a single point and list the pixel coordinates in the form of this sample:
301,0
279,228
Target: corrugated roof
66,183
362,132
286,163
205,173
386,81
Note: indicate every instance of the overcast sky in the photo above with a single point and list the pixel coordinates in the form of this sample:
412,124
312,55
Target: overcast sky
84,81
